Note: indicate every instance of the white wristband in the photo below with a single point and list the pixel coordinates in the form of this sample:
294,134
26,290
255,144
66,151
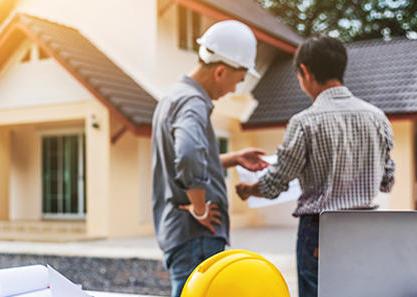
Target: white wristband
204,215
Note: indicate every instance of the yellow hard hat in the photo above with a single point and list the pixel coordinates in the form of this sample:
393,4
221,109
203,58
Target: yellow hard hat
236,273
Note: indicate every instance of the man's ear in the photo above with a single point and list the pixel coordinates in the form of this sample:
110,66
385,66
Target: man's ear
219,72
305,72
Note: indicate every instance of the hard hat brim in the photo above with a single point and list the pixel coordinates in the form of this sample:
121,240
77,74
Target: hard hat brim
254,73
209,57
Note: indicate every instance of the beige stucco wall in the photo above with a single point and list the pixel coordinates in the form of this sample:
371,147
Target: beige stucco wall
124,189
280,214
118,176
25,194
130,206
403,196
42,114
26,126
167,52
45,83
98,169
275,215
132,34
5,160
145,185
123,30
267,139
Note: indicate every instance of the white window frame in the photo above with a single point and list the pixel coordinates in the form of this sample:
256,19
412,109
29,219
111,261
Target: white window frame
81,179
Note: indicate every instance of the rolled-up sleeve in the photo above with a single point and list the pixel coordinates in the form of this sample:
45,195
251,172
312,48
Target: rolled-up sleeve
389,168
191,145
290,162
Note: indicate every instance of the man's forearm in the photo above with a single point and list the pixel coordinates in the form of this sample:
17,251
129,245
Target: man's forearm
197,198
247,190
256,190
229,159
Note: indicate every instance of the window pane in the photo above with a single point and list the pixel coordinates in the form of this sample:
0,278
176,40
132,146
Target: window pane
62,177
50,174
223,148
70,172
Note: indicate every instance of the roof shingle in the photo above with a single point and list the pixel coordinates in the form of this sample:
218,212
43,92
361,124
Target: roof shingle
383,73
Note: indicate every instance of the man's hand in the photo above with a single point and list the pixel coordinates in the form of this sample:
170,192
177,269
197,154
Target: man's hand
213,216
250,159
245,190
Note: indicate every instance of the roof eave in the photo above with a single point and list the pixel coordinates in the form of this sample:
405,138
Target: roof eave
402,116
144,130
10,38
263,125
16,27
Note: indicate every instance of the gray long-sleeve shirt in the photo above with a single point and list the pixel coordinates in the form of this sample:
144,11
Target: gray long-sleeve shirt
185,156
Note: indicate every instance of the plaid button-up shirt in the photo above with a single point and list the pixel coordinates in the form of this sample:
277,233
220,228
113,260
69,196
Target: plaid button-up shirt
339,149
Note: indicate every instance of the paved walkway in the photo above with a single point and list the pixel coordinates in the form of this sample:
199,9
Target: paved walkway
276,244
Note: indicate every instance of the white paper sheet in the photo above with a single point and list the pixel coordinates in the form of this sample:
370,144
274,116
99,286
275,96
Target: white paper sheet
41,293
37,281
293,193
20,280
62,287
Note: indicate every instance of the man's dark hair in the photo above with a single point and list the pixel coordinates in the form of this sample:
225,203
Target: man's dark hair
325,57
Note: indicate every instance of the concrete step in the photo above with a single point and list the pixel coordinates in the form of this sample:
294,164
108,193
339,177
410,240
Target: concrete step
43,226
43,231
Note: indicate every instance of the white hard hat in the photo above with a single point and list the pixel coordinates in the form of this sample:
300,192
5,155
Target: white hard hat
230,42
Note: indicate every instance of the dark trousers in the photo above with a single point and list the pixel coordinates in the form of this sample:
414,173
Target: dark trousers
182,260
307,255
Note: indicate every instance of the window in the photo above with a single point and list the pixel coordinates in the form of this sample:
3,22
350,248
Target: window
223,143
63,176
189,28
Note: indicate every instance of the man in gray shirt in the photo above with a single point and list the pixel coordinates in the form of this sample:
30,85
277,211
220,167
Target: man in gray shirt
189,192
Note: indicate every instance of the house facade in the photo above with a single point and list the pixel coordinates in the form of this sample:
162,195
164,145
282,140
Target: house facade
77,95
78,84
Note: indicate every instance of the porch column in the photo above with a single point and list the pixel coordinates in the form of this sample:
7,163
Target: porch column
5,166
98,170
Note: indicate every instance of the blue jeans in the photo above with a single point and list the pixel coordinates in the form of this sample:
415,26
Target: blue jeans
307,256
182,260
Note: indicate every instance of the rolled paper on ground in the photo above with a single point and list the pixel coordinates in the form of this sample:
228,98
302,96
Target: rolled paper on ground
21,280
41,293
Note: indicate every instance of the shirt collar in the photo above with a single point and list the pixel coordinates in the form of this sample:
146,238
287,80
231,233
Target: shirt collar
334,93
191,82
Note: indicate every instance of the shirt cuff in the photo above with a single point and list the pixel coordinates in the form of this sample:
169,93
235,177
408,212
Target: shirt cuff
270,188
196,183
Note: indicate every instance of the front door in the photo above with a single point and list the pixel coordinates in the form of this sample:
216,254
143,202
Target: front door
63,176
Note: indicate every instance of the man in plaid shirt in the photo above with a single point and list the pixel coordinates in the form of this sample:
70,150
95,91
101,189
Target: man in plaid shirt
339,149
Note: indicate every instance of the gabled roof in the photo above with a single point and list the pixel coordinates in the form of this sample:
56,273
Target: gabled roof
124,97
267,27
383,73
